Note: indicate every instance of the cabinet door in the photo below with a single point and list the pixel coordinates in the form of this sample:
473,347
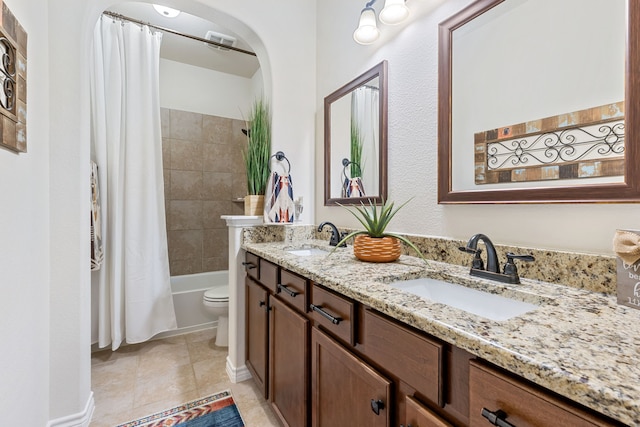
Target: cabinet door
288,364
257,333
417,415
345,390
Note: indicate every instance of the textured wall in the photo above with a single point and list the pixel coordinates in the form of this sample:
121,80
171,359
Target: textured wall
203,174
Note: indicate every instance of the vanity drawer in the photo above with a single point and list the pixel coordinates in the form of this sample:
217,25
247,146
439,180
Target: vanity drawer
269,275
412,357
524,404
293,289
252,266
335,313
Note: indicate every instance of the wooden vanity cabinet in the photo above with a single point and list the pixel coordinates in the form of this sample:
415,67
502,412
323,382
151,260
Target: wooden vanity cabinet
495,393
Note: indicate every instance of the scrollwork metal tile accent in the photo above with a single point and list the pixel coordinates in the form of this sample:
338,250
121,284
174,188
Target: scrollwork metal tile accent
583,144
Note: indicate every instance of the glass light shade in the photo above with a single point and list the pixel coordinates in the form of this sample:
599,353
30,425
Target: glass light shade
367,31
394,12
165,11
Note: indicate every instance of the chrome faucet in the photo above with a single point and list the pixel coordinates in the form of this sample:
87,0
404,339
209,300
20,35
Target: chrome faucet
510,272
335,234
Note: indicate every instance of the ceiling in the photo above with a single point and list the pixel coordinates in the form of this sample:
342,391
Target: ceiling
193,52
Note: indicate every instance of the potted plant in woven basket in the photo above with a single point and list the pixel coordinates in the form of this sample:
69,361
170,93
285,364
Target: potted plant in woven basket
256,156
374,244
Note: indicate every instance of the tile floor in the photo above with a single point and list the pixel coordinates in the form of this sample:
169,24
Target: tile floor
142,379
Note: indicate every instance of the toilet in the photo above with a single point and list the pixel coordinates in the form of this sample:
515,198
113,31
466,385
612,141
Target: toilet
216,301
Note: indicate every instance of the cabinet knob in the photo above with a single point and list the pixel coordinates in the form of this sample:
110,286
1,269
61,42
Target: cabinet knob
377,406
318,309
497,418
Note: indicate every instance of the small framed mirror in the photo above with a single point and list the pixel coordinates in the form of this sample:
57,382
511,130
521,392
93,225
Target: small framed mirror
538,102
355,140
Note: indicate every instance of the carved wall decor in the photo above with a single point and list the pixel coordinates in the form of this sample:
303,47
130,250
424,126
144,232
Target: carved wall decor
583,144
13,82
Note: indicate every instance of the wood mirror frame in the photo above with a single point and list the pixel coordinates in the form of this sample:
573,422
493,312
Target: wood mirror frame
379,71
623,192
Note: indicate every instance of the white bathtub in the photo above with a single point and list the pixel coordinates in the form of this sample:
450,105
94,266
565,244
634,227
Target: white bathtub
188,291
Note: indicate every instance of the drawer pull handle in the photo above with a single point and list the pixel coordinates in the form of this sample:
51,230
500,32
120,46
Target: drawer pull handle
377,406
318,309
496,418
249,265
282,287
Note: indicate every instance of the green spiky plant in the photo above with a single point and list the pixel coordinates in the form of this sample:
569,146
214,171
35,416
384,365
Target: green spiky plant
356,150
375,221
256,156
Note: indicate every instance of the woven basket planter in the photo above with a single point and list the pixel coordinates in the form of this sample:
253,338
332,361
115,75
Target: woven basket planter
380,249
253,205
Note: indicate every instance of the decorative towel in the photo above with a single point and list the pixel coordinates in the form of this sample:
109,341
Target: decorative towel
97,255
353,187
278,205
626,244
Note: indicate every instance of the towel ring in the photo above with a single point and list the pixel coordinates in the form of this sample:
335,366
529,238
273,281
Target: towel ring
280,157
346,163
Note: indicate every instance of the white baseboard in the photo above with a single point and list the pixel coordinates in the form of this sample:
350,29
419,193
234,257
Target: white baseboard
81,419
237,374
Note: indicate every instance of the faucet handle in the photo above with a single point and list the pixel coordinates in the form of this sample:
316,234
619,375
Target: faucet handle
477,262
510,267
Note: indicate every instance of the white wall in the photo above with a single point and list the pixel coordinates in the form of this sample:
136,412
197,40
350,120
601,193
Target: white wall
24,242
412,52
200,90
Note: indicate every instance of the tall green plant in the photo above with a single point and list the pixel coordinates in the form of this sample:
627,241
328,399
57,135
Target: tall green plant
356,149
256,156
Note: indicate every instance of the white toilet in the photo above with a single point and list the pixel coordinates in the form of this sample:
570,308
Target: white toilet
216,301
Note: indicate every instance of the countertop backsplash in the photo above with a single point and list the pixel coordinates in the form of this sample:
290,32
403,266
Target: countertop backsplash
596,273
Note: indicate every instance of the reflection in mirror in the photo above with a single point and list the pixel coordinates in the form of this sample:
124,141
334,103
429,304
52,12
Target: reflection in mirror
538,119
356,140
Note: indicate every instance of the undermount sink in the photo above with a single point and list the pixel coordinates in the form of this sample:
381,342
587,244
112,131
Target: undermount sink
307,251
490,306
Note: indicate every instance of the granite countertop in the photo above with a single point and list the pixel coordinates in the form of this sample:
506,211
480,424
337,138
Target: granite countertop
579,344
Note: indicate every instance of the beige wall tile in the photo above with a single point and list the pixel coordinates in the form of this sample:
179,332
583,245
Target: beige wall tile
222,158
217,129
186,185
185,244
185,215
186,155
166,153
217,186
211,212
165,118
179,267
186,125
216,243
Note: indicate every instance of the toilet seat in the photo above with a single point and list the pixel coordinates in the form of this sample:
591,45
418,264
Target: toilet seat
217,294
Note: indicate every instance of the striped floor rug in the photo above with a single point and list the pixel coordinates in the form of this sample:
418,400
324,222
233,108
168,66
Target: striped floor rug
217,410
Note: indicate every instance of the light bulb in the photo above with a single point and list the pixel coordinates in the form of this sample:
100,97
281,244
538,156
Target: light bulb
367,31
394,12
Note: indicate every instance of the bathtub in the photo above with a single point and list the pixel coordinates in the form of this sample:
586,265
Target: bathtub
188,291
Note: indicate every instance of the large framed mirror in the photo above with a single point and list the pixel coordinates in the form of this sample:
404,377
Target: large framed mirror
539,102
355,140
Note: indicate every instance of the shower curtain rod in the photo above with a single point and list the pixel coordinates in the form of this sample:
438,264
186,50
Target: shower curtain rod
177,33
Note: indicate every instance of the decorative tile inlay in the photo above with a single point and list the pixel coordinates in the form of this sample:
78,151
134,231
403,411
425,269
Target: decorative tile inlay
582,144
13,82
578,343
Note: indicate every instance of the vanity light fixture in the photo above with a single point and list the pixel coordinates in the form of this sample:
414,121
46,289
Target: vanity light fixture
393,12
165,11
367,31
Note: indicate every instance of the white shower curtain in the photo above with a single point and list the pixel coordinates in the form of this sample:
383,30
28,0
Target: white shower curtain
365,112
135,301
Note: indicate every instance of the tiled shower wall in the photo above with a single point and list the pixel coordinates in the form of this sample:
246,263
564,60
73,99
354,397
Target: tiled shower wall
203,175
